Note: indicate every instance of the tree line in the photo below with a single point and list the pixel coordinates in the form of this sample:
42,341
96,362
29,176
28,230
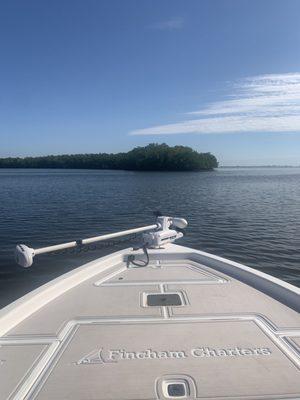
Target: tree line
153,157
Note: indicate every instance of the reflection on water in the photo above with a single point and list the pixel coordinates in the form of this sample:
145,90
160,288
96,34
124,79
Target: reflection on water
248,215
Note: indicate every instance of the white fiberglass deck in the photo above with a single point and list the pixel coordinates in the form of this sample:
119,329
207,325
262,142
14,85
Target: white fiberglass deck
215,330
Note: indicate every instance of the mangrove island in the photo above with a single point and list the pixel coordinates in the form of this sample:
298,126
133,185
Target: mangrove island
153,157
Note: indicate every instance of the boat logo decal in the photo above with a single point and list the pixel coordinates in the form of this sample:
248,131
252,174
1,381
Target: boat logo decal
101,356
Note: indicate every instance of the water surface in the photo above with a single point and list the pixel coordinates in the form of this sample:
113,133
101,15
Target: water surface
249,215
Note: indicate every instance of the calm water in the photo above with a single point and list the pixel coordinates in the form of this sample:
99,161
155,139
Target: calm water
248,215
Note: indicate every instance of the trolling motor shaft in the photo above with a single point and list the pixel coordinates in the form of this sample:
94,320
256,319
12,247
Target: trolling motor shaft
160,235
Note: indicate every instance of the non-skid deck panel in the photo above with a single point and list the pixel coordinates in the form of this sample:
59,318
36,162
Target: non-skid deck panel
130,359
167,271
16,363
235,297
87,300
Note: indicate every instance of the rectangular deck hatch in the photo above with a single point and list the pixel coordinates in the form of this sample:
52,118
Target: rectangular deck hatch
164,299
176,390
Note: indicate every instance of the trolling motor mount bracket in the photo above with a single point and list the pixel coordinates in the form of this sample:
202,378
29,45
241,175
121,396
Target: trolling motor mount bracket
164,235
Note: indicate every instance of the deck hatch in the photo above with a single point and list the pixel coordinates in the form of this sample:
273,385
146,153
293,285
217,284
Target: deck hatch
164,299
176,390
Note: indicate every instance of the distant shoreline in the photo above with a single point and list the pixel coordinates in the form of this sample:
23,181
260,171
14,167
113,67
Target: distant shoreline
154,157
259,166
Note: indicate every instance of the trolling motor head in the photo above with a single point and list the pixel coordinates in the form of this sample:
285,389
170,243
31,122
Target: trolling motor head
164,235
24,255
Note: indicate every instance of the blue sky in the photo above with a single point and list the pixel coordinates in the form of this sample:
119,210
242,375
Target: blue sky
105,76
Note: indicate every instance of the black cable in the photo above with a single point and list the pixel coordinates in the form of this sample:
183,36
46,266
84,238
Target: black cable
140,263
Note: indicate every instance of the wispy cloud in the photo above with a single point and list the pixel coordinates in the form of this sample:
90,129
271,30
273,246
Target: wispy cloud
169,24
265,103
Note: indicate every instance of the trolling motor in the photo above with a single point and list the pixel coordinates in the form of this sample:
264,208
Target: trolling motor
157,236
164,234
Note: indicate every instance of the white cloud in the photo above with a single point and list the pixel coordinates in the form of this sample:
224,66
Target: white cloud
266,103
169,24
